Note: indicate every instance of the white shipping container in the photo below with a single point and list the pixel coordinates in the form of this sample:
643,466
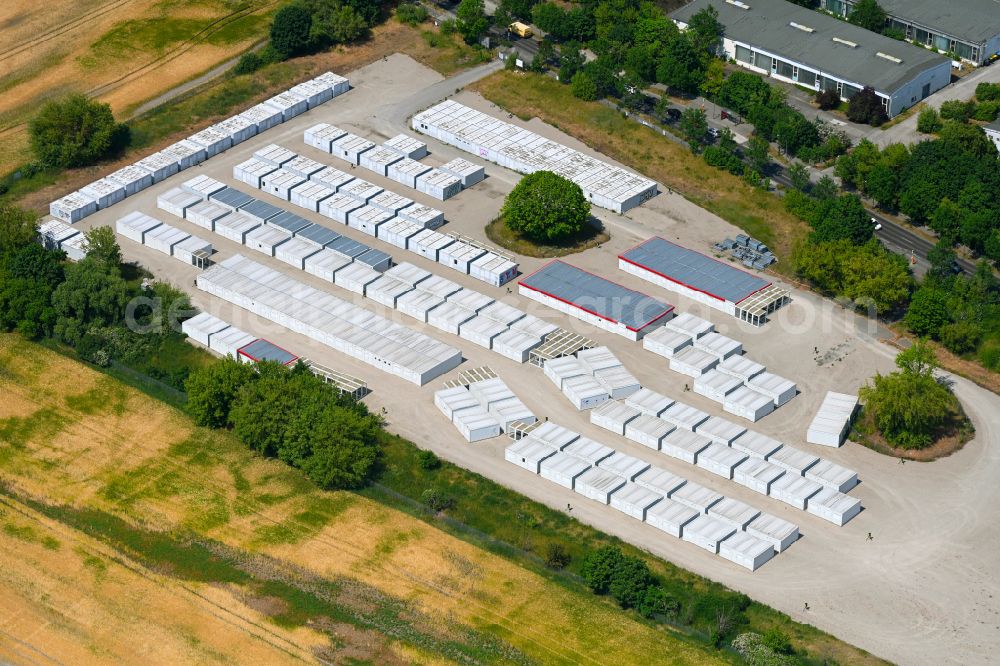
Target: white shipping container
563,469
133,178
201,327
649,402
159,165
321,136
406,171
493,269
670,516
598,484
757,474
613,415
529,454
747,551
720,459
467,173
648,431
163,238
212,140
229,341
236,226
135,225
684,445
634,500
425,216
251,171
193,250
105,192
266,239
706,532
778,532
325,264
310,195
438,184
407,146
176,201
584,392
477,424
295,251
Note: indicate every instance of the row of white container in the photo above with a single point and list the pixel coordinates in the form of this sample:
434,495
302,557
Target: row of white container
591,377
681,508
56,235
524,151
220,336
329,320
449,307
721,447
833,419
483,409
411,290
164,238
370,209
397,159
197,148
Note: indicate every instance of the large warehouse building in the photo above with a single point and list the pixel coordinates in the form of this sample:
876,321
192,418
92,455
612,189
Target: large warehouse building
593,299
968,28
815,50
704,279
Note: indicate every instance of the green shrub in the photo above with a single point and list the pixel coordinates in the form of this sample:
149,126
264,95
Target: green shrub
989,355
437,500
961,337
828,99
248,63
557,556
411,14
76,131
988,92
987,111
929,121
428,460
599,567
956,109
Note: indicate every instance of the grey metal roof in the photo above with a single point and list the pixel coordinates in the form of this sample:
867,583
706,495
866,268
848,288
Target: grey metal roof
232,197
318,234
289,221
372,257
694,270
348,247
766,25
995,125
973,20
596,295
262,350
261,210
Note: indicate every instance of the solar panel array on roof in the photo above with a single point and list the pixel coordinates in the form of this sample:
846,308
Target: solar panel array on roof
595,295
694,270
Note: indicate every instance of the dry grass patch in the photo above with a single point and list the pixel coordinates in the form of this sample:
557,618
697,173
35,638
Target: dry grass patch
759,213
149,466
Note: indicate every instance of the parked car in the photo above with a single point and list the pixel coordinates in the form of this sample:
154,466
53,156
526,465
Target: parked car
877,224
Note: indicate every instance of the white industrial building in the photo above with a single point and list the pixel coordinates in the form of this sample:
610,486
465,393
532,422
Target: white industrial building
833,420
329,320
684,445
634,500
819,52
778,532
670,516
745,550
407,146
406,171
526,152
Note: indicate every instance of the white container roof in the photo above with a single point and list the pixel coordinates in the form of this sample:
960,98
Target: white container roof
671,515
598,358
647,425
625,466
470,299
833,475
707,531
696,496
461,167
331,177
740,366
553,434
615,411
660,480
275,154
193,244
166,235
777,531
719,429
690,325
755,444
598,481
649,402
794,489
587,449
408,273
793,460
718,344
405,144
733,511
132,173
833,505
563,465
746,550
634,497
695,358
754,471
771,384
684,416
583,387
720,456
391,201
439,286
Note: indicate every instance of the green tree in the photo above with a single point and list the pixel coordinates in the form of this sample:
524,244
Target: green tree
262,410
411,13
694,126
75,131
959,110
911,405
571,61
91,295
291,30
866,107
928,311
343,446
472,21
584,87
868,14
334,23
928,122
546,207
212,390
825,188
682,67
629,581
882,185
598,568
18,228
557,556
843,218
102,246
706,31
758,154
799,175
715,76
741,90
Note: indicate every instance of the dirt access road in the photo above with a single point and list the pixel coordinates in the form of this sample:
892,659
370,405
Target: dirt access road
922,592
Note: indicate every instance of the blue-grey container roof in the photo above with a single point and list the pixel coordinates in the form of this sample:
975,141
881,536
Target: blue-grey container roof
262,350
289,221
348,247
261,210
596,295
694,270
318,234
232,197
373,257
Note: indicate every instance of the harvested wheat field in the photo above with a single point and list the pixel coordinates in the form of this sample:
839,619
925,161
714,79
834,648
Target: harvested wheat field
184,529
120,51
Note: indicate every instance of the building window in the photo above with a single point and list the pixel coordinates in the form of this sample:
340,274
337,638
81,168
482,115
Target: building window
965,51
922,36
743,54
831,84
848,91
807,78
783,68
941,43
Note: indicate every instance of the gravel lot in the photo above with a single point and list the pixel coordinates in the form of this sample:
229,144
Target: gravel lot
923,591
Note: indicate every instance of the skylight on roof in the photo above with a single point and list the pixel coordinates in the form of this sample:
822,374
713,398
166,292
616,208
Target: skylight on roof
799,26
846,42
738,3
889,57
